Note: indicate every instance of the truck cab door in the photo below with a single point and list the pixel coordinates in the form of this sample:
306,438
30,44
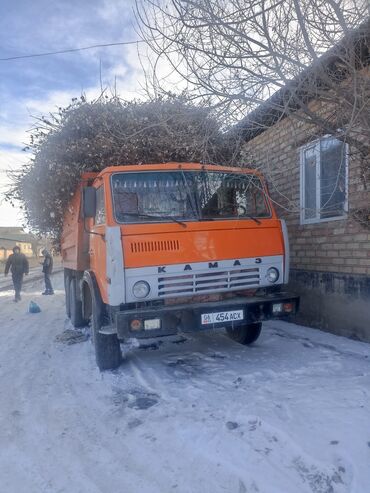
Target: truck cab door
97,249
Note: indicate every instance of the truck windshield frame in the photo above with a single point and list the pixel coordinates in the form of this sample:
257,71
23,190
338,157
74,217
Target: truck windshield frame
141,197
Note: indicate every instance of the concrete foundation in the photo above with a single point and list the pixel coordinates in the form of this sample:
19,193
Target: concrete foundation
335,302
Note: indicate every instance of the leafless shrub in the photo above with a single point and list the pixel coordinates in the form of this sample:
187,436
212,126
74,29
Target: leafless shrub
88,136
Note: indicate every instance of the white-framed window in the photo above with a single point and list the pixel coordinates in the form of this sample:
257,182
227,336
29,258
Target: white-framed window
324,180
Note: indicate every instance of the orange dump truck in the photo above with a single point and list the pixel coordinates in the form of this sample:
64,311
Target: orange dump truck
153,250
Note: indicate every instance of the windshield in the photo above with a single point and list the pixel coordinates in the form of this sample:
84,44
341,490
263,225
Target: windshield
162,196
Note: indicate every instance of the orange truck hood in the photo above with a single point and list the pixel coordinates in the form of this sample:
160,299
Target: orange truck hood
201,242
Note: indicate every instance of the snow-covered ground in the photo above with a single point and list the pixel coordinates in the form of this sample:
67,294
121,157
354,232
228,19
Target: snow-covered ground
203,414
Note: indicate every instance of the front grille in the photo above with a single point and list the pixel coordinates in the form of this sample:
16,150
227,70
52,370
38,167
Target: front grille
155,246
227,280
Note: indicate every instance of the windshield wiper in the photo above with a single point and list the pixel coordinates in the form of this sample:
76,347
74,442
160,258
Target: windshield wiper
250,217
139,214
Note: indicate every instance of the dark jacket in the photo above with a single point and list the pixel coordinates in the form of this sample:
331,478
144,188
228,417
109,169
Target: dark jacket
17,263
47,265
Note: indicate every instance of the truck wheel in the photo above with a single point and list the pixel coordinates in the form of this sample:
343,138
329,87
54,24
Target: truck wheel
75,306
245,334
107,348
67,281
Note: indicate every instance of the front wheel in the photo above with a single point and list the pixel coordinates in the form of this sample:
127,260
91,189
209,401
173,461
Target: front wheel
107,348
245,334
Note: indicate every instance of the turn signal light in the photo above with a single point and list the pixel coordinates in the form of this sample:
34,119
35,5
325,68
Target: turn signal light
136,324
288,307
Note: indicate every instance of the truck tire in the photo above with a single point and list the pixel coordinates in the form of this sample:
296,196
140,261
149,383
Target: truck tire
245,334
75,306
67,281
107,347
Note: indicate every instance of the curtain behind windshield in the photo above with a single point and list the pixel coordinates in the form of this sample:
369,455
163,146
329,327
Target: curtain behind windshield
140,195
188,195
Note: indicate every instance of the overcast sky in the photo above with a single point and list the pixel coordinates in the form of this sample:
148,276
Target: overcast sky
31,87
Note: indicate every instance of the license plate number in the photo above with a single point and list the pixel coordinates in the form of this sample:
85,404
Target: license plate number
214,318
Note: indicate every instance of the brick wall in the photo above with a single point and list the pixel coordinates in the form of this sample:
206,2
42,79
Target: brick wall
330,261
332,246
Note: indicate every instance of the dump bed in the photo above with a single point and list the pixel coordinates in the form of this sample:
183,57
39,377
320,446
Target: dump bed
75,239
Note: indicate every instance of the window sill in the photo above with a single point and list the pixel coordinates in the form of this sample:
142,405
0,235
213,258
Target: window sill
325,220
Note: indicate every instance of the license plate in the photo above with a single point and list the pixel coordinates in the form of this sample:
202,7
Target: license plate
214,318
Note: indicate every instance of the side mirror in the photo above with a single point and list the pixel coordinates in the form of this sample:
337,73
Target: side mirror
89,201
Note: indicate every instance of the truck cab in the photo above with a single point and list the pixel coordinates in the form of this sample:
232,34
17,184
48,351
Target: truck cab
153,250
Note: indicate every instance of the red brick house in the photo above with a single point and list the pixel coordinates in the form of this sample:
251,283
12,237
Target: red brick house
317,183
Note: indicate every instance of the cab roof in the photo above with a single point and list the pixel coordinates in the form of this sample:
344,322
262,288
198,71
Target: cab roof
176,166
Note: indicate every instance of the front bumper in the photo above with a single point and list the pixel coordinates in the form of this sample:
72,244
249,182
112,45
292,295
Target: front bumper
187,317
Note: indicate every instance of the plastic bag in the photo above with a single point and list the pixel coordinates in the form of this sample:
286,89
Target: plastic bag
34,307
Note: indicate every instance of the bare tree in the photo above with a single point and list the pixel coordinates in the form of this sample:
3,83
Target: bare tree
267,59
237,53
108,131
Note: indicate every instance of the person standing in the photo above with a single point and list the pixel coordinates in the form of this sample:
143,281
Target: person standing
17,263
47,269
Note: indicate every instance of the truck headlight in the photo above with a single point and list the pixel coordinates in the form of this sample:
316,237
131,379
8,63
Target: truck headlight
141,289
272,274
